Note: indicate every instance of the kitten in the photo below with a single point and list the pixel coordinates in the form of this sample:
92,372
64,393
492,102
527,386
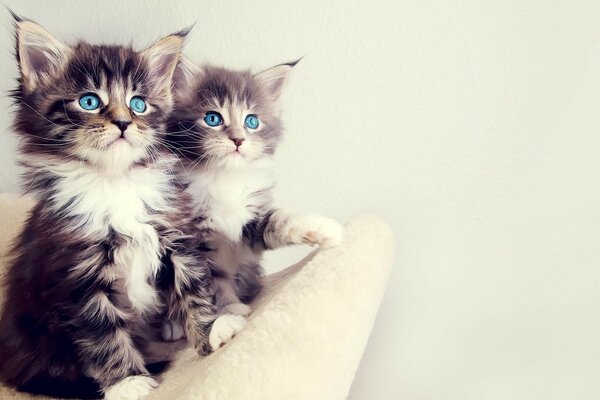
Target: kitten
226,126
109,245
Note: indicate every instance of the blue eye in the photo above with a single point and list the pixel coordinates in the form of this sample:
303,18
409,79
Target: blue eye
89,102
137,104
251,121
213,118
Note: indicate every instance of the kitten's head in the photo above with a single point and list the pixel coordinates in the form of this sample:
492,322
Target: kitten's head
226,118
102,105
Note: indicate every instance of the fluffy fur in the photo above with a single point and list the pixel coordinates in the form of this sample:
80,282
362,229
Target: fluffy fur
109,247
306,336
229,172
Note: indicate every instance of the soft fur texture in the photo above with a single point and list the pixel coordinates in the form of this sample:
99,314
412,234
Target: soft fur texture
110,246
303,341
230,174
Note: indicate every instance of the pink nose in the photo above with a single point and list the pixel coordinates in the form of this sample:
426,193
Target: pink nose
237,141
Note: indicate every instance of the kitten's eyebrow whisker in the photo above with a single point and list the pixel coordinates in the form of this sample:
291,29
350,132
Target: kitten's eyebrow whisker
77,68
86,73
137,69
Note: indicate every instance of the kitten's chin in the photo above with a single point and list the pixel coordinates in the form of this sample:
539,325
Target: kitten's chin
234,160
117,158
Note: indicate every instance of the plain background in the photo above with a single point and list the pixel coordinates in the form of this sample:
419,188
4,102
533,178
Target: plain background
471,127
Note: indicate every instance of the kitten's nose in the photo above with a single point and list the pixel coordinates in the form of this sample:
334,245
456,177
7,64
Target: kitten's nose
237,141
122,124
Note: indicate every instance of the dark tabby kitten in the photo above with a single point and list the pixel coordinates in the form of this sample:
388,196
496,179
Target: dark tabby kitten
109,245
226,126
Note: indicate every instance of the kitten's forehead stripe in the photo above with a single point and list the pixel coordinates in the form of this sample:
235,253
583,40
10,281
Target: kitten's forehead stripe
99,65
228,86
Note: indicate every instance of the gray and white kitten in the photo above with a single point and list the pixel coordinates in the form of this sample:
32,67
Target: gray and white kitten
109,247
226,126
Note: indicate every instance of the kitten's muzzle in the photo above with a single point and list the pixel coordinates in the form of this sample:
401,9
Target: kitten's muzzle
237,141
122,124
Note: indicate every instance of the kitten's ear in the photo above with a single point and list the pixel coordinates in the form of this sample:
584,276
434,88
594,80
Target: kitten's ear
273,79
38,52
162,58
186,73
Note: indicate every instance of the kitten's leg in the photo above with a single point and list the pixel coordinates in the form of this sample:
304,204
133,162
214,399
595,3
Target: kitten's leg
192,299
227,303
231,320
282,227
194,303
232,313
227,298
248,281
106,346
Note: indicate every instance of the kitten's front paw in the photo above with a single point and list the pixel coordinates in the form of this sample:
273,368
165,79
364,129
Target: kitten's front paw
238,309
130,388
224,329
172,331
314,229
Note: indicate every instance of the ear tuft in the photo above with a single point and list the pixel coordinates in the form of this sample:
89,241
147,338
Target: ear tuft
185,31
16,17
39,53
294,63
274,78
163,56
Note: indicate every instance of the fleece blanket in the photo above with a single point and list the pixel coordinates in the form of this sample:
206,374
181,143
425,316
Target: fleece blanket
306,335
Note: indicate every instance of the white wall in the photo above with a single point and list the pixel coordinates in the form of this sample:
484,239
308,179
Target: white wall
473,129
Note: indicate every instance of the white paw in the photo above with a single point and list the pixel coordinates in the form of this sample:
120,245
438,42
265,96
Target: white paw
238,309
130,388
172,331
224,329
314,229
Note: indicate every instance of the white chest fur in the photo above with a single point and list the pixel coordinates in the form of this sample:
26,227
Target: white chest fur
231,196
104,202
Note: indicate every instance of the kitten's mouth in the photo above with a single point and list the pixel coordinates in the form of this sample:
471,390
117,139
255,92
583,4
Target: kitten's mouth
119,142
122,139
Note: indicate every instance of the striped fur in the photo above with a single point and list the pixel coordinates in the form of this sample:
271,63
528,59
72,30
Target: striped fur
229,171
110,245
